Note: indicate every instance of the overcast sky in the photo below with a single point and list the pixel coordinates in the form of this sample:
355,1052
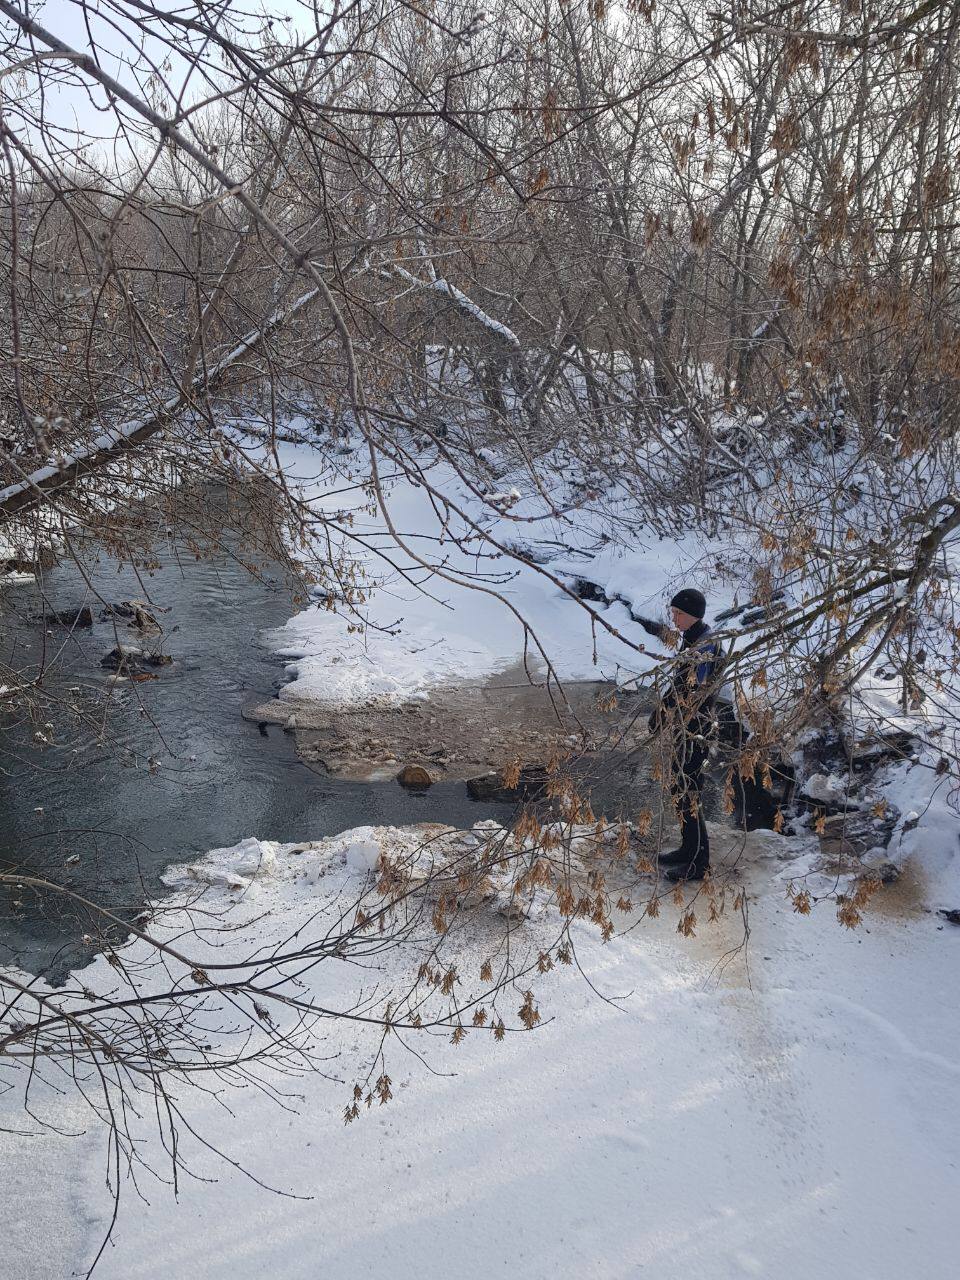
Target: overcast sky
82,113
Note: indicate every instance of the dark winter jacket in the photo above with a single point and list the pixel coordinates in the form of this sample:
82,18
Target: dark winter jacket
692,685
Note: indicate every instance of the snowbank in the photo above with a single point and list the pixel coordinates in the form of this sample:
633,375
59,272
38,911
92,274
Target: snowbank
421,631
678,1113
14,578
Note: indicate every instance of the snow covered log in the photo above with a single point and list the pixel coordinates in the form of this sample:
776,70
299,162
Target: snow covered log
33,489
465,305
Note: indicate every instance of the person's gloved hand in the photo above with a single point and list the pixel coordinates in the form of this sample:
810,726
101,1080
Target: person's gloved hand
651,627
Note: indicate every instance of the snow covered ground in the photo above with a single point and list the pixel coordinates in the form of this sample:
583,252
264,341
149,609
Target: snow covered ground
789,1111
688,1105
452,633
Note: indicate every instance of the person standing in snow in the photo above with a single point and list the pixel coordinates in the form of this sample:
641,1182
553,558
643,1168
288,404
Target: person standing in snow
686,712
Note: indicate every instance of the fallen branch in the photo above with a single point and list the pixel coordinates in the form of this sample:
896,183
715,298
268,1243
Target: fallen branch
35,488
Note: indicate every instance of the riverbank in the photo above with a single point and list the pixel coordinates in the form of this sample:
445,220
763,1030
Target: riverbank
431,606
132,775
394,670
686,1102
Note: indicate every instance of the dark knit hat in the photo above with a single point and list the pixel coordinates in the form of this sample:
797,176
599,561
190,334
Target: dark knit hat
691,601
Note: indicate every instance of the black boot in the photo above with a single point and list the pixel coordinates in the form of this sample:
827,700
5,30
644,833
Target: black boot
692,860
672,859
686,871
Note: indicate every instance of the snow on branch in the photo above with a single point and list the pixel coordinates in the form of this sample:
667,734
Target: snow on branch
465,304
111,444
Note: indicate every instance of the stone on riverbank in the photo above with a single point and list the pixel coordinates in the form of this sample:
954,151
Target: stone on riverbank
414,775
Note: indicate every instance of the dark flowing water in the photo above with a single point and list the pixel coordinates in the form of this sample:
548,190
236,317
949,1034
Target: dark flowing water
159,771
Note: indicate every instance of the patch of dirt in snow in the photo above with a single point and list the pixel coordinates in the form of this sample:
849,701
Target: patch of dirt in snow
906,897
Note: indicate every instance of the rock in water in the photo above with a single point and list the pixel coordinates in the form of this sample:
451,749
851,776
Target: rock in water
127,658
81,616
122,658
136,613
493,786
414,775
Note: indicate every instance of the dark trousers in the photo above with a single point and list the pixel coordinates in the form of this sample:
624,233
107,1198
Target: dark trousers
686,787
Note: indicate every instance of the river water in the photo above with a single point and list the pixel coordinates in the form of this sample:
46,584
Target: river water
162,770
